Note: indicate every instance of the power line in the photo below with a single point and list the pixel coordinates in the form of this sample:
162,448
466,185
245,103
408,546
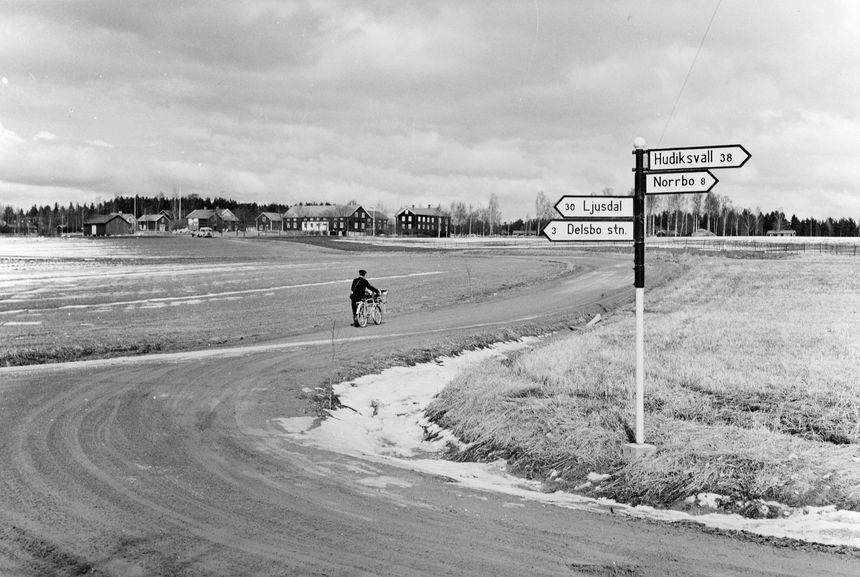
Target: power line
686,78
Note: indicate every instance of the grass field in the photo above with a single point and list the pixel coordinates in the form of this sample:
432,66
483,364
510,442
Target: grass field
752,392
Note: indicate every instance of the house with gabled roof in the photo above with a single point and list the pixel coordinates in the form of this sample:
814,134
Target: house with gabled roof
418,221
229,221
154,222
269,221
219,219
379,220
784,232
328,219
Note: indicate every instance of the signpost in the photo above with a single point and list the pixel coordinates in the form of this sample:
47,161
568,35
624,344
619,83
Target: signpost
666,174
622,218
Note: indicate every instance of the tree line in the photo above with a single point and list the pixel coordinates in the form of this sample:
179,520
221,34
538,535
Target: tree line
670,215
52,220
709,213
686,214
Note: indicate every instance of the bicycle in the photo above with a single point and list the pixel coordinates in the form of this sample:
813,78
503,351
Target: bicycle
371,308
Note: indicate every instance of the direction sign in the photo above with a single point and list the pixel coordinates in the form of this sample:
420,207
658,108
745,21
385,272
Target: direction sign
588,230
722,156
595,206
679,182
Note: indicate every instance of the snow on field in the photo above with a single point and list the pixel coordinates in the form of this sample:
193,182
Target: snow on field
383,421
68,273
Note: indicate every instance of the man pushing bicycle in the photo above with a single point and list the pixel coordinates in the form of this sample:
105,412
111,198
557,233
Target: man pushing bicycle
359,289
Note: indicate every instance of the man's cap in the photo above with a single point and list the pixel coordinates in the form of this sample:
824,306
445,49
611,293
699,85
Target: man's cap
362,272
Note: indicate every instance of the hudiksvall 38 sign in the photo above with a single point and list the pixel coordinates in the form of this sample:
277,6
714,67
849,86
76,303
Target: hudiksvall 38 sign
720,156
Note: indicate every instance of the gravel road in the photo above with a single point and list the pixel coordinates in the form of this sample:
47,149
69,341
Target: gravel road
173,464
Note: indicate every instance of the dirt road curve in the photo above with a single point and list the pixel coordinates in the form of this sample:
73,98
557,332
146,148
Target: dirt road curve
173,465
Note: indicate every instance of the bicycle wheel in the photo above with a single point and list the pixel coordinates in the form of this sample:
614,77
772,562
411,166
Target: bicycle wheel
361,312
376,314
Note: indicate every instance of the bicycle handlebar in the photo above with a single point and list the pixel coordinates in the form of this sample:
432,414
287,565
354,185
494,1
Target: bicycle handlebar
377,297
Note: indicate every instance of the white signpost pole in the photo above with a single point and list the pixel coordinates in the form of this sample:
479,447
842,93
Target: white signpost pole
640,366
639,448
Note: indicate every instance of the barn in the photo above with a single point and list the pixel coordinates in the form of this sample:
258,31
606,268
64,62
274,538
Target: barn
113,224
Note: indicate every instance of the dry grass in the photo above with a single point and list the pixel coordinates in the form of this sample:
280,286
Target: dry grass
751,391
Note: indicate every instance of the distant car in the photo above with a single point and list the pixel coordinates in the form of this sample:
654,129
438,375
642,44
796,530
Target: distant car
204,231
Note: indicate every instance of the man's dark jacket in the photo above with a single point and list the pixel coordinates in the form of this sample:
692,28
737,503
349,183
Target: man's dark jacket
359,287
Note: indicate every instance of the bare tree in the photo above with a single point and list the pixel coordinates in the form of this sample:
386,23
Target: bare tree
461,213
696,210
725,211
473,215
651,205
675,206
494,214
712,207
543,208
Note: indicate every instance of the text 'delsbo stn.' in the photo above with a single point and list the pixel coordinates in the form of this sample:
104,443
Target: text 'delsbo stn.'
588,230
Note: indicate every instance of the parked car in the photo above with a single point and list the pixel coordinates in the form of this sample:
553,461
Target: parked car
204,231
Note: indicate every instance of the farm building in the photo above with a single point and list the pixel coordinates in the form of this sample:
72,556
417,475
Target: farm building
220,219
269,221
379,221
154,222
336,219
422,222
665,232
113,224
786,232
702,232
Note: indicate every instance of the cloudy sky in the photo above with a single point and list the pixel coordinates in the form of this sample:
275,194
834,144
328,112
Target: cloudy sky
393,103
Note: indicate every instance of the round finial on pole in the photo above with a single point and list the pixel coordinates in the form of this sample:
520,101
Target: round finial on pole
638,143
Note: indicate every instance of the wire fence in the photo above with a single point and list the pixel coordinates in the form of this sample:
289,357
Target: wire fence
846,247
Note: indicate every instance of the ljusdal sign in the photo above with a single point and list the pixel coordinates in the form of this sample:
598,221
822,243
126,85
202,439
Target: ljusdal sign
574,206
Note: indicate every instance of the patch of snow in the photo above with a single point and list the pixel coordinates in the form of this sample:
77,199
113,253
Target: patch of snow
296,425
709,500
383,481
383,421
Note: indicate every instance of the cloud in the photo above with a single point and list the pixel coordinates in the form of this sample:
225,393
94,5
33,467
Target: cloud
306,100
